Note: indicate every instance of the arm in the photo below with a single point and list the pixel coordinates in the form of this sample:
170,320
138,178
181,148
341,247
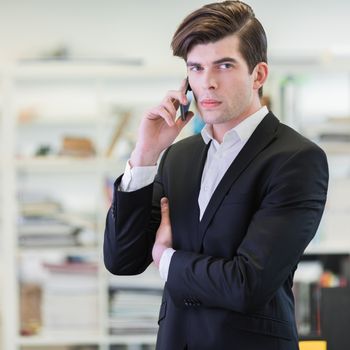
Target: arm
133,217
277,235
130,229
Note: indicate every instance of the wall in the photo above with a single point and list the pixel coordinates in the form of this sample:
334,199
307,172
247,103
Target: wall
144,28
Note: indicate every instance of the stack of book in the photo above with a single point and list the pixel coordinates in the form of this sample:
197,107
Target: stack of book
306,291
70,297
43,223
134,302
134,311
45,232
30,308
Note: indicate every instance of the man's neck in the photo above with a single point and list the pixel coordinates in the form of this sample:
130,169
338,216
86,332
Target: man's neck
219,130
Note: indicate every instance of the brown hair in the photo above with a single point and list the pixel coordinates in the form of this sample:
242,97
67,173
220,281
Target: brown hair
215,21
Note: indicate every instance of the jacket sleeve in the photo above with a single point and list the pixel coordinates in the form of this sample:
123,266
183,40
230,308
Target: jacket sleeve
278,233
131,225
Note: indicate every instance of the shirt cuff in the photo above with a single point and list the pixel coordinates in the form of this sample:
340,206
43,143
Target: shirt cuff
137,177
165,263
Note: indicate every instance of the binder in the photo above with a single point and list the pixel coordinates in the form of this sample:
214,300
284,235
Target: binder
335,317
312,345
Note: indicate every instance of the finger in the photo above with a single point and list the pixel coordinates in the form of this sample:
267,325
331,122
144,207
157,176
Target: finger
183,84
171,106
175,103
164,207
177,96
183,90
164,113
182,123
160,112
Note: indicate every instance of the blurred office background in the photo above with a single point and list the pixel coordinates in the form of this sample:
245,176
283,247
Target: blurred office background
75,77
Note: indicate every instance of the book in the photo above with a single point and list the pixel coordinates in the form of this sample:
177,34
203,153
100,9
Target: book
70,297
77,147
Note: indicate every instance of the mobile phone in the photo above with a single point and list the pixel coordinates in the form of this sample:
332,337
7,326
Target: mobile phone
184,108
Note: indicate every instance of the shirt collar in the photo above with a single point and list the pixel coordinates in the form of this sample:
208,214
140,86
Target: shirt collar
243,130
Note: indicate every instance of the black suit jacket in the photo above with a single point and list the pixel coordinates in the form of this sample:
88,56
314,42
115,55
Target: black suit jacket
230,279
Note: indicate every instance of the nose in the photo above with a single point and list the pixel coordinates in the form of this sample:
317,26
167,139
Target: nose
210,81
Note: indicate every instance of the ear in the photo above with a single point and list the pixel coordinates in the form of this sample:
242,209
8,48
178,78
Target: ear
261,71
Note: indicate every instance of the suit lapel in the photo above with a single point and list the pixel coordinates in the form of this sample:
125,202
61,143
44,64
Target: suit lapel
185,212
263,135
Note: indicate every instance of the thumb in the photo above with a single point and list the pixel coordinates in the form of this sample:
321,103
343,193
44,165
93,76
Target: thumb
164,207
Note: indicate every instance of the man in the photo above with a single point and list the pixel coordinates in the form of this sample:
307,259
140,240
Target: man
239,203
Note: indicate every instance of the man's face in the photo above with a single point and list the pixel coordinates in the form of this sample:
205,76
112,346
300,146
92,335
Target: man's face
221,82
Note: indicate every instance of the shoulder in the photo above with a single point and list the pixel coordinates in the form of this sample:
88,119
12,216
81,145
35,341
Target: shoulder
191,145
289,140
182,152
189,141
288,149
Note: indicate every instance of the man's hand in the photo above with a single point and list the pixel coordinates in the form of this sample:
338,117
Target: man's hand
159,129
164,237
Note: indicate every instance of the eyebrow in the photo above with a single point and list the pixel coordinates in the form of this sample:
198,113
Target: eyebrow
221,60
225,59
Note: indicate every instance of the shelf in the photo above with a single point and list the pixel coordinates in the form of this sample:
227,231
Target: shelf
332,247
70,70
84,339
61,338
81,251
44,120
43,103
109,87
52,164
84,120
338,148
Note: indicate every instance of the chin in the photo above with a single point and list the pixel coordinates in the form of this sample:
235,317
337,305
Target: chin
212,117
215,119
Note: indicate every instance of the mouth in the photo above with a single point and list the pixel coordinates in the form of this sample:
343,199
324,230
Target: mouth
208,103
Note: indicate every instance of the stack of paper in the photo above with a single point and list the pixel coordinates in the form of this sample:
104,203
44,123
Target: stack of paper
70,300
134,311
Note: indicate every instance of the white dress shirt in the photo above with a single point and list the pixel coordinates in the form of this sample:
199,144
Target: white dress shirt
220,156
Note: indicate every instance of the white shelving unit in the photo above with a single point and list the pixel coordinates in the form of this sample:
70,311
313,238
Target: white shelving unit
1,201
42,103
102,93
314,98
8,245
316,101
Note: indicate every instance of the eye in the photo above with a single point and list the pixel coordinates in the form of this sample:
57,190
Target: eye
195,68
225,65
